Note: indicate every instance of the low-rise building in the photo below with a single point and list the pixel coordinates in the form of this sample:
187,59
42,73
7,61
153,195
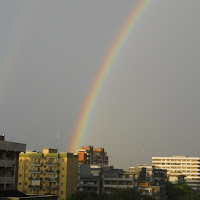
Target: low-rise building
113,179
103,179
88,180
157,192
9,157
158,177
149,181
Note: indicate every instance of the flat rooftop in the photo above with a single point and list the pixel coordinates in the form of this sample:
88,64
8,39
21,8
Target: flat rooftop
12,146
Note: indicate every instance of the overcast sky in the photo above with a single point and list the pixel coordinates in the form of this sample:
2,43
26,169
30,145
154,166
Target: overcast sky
50,52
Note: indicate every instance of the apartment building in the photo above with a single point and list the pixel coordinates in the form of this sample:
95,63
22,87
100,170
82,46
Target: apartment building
149,181
89,155
113,179
179,166
9,156
87,181
103,179
48,172
148,170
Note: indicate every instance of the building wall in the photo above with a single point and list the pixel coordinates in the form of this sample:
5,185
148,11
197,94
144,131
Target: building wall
178,166
48,173
9,152
102,179
89,155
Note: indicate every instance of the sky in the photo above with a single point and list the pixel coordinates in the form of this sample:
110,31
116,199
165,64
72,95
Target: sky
50,54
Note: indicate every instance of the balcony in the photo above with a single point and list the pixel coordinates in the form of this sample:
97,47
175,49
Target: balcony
36,164
35,178
52,163
52,171
51,179
34,187
89,185
35,171
51,187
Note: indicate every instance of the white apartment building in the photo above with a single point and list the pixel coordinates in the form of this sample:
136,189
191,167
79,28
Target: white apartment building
178,166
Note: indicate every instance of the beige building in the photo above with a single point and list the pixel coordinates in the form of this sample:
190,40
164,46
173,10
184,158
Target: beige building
179,166
48,173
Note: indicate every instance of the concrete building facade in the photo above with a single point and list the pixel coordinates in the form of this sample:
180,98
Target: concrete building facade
113,179
48,173
9,156
180,166
103,179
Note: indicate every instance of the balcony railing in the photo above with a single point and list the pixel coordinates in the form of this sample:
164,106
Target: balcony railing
52,163
34,178
34,187
51,179
35,171
51,187
52,171
36,164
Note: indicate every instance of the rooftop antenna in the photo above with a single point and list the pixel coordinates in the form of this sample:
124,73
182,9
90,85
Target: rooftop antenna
58,138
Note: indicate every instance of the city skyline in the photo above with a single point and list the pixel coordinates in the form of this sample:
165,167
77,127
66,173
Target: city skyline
51,52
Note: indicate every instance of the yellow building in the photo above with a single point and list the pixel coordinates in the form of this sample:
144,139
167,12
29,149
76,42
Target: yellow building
48,173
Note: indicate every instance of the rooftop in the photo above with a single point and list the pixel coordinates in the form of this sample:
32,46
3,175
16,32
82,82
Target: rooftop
11,146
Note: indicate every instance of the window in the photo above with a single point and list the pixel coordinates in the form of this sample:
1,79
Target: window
26,160
25,183
20,175
62,176
20,160
62,168
61,192
63,160
62,184
26,167
20,182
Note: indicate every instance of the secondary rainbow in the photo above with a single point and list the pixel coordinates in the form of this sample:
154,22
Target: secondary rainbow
104,69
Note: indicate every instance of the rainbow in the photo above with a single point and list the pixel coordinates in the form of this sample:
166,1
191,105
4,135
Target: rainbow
104,70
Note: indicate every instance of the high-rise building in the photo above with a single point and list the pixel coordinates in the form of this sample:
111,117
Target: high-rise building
179,166
89,155
48,173
9,156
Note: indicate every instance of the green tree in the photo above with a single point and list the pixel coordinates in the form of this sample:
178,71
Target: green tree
119,194
179,191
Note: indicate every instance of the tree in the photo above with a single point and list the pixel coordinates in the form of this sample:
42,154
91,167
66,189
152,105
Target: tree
119,194
179,191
